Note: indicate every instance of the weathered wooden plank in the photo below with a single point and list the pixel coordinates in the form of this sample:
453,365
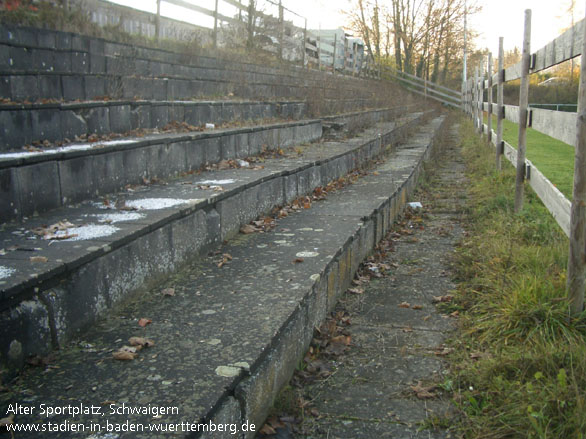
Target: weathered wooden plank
489,97
500,106
512,113
513,72
557,124
567,46
429,90
523,104
555,202
577,251
429,84
443,101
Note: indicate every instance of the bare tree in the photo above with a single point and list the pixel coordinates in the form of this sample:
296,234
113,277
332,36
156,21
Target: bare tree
422,36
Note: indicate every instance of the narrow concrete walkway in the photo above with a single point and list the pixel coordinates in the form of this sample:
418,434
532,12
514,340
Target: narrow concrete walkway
386,385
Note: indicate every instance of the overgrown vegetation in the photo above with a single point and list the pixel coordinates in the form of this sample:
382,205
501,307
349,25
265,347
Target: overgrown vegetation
519,369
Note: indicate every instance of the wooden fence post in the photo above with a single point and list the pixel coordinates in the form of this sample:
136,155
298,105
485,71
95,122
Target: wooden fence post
489,124
577,251
523,103
334,55
281,30
251,20
480,97
475,98
216,25
158,21
303,45
354,55
319,48
500,106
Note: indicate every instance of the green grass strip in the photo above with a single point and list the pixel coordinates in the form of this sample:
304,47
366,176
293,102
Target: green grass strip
555,159
519,365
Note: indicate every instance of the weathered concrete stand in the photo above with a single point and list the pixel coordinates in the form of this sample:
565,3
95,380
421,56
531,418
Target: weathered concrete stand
231,336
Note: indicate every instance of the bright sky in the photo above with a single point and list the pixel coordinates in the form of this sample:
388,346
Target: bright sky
498,17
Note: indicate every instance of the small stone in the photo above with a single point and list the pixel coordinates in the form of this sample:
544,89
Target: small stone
228,371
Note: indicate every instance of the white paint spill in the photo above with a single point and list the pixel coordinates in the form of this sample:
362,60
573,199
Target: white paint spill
89,231
118,217
6,272
155,203
208,312
210,182
68,148
228,371
307,254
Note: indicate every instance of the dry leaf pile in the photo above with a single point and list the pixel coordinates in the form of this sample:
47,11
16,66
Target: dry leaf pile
57,231
130,352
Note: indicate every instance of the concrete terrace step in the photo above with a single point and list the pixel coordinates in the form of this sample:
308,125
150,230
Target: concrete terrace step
32,86
117,251
35,182
211,360
23,124
37,63
40,181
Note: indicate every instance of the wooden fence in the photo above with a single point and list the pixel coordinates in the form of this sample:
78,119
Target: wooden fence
421,86
567,127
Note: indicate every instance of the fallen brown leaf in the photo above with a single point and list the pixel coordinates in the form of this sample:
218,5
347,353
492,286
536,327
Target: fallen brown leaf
247,229
439,299
38,259
298,260
268,430
342,339
404,305
442,352
123,355
417,307
356,290
141,341
423,392
144,321
168,292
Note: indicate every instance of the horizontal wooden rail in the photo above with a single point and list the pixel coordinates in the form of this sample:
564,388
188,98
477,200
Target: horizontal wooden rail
457,93
555,202
560,125
430,91
565,47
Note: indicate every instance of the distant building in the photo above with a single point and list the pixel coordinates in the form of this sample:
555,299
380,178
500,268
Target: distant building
349,51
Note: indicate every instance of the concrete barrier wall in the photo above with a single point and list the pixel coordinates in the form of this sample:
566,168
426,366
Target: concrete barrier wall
38,183
24,124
